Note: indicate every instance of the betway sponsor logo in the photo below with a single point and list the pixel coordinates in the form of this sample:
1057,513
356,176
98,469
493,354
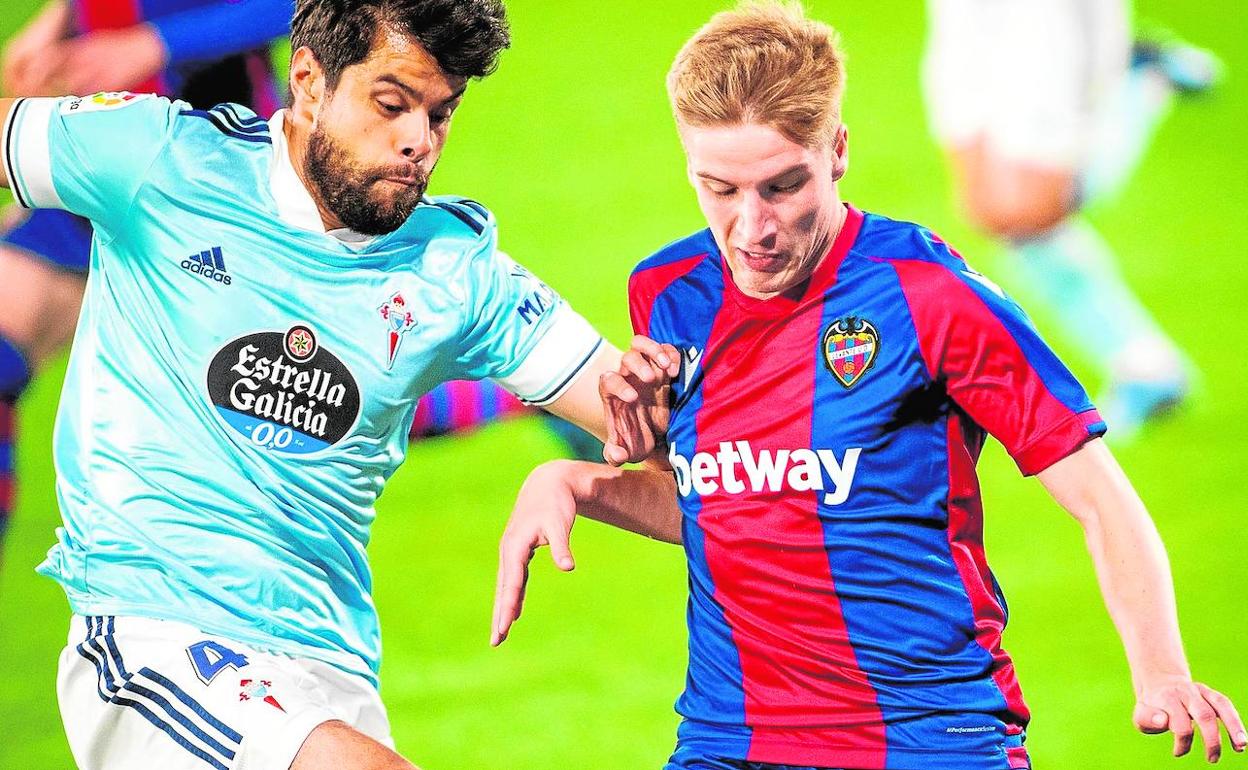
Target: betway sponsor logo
736,467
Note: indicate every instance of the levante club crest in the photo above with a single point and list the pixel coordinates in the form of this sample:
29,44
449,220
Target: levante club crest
850,346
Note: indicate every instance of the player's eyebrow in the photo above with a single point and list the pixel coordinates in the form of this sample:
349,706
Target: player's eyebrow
790,171
395,81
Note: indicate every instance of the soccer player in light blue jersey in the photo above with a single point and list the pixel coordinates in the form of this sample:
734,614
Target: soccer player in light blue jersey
267,301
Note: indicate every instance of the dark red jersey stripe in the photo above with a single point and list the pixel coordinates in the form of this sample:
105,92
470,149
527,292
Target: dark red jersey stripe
966,543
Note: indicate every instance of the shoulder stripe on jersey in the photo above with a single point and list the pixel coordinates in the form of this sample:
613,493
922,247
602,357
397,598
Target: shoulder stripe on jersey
229,109
217,120
477,207
463,216
9,129
237,124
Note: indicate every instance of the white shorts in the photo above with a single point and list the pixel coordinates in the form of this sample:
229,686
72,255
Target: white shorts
1026,76
136,692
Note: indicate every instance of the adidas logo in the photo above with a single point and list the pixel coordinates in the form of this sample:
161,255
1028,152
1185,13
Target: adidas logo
209,264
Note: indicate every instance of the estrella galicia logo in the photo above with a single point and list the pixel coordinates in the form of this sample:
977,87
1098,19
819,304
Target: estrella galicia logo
284,391
210,264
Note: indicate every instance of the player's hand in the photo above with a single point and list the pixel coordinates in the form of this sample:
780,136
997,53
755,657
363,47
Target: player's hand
635,400
33,54
108,60
544,514
1176,703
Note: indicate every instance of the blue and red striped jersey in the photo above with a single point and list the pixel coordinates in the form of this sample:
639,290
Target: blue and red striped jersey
218,49
841,610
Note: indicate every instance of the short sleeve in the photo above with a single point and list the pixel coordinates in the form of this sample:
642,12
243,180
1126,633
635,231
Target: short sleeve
522,334
994,364
88,155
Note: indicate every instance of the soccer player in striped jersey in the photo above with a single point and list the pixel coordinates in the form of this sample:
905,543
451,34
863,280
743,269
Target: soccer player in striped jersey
831,376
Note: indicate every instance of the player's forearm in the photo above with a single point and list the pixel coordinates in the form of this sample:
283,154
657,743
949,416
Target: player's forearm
641,500
1130,559
1134,575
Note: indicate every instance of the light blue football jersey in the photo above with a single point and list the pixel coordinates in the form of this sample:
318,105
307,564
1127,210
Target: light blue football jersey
241,382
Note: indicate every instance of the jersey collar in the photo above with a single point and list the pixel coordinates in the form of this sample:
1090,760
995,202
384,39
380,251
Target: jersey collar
295,206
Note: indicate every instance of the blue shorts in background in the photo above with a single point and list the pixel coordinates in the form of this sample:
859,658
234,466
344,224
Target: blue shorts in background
56,236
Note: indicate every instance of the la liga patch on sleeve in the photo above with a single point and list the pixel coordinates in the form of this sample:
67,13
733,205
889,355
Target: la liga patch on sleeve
104,100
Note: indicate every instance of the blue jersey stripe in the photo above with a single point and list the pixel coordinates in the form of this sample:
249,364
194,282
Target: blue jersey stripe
898,634
683,316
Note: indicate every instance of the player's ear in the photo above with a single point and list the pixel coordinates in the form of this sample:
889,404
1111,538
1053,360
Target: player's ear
307,82
840,153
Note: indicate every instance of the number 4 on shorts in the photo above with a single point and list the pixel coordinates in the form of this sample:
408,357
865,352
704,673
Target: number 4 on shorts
210,658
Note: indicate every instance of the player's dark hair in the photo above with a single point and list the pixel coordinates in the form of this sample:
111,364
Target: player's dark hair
465,37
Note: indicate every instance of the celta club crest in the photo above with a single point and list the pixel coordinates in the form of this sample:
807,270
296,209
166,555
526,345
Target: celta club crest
850,347
258,689
399,320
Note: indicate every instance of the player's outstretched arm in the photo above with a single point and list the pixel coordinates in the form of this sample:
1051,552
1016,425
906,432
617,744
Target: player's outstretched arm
1134,574
641,501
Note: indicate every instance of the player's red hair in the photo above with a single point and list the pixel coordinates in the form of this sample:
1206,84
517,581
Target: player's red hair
763,62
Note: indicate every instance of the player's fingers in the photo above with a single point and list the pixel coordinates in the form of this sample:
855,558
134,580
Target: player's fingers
1228,714
513,566
560,548
662,355
1206,719
613,385
1180,723
1151,720
636,365
632,435
614,454
673,355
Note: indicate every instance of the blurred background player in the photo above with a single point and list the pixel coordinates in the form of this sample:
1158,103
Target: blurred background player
1041,108
205,52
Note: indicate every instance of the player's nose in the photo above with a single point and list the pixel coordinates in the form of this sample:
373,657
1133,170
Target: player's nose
416,139
756,223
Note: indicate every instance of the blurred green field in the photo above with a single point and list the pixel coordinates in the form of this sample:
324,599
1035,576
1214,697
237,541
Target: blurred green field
572,146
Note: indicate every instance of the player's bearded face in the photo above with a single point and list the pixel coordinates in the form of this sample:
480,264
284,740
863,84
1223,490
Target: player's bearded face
378,134
771,203
366,199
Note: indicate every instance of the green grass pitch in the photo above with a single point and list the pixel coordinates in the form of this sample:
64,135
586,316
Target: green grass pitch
572,146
